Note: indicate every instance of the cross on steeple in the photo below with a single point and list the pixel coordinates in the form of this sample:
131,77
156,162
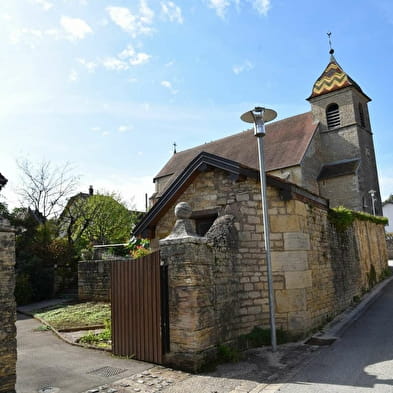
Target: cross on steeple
330,44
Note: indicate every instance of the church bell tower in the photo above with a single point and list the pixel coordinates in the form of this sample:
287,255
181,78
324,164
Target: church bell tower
349,172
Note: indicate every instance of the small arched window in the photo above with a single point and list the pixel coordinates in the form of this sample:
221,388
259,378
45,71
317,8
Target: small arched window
361,115
333,116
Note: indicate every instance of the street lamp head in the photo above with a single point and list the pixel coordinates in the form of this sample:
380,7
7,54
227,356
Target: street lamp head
259,116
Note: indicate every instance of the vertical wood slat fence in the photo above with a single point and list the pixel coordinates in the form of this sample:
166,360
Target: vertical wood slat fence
136,308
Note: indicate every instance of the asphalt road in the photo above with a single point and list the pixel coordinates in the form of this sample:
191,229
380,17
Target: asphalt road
360,361
45,362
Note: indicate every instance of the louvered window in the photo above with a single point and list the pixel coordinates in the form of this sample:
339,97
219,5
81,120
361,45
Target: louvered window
333,116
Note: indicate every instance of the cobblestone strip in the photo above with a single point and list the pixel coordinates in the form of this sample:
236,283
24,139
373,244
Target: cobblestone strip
246,387
272,388
154,380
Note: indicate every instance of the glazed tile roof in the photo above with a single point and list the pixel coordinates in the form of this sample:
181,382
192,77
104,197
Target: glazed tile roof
333,78
285,144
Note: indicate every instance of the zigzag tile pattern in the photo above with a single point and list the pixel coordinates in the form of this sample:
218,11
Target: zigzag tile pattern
333,78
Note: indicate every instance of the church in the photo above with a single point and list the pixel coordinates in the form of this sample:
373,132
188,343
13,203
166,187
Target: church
328,152
214,249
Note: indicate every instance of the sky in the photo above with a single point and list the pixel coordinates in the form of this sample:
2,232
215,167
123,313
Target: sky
109,86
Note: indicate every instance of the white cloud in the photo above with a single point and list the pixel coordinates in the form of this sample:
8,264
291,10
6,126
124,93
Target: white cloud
89,65
262,6
135,24
139,58
124,128
95,128
219,6
132,80
146,13
126,53
170,63
46,5
168,85
73,76
245,66
123,18
113,63
75,28
105,133
133,57
171,11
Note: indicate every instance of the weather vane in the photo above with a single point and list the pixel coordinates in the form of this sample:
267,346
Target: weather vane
174,147
330,43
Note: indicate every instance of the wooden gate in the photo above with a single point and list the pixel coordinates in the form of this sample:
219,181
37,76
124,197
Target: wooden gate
139,297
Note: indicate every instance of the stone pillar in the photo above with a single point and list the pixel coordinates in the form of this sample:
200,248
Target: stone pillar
191,293
7,308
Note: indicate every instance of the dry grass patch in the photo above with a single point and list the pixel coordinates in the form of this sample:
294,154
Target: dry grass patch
67,316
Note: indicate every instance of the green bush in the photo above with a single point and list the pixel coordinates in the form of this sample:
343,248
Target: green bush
99,339
259,337
226,354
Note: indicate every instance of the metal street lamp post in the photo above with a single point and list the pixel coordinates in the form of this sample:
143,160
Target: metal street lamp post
259,116
372,194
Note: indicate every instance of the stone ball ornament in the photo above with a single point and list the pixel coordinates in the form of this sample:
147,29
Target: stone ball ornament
183,210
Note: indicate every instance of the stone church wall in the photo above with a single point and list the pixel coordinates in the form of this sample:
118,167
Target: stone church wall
7,309
342,191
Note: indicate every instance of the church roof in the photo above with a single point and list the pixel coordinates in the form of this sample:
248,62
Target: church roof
285,144
333,78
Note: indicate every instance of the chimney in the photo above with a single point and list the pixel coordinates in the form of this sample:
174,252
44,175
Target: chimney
91,190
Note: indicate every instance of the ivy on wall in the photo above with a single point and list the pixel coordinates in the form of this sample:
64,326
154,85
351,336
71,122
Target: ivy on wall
342,218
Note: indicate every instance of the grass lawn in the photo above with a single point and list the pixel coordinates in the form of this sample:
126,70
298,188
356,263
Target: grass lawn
65,316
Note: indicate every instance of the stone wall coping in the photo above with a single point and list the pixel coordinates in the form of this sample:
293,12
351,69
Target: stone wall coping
182,240
106,260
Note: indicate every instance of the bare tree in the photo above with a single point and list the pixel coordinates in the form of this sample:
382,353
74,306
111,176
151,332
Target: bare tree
45,188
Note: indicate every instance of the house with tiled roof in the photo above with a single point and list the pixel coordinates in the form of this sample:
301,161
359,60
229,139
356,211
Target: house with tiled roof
327,151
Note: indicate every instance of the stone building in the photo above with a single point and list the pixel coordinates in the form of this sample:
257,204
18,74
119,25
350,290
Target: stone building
329,151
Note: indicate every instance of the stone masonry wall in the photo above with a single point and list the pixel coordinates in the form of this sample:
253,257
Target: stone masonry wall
7,309
242,200
94,280
203,291
317,272
191,301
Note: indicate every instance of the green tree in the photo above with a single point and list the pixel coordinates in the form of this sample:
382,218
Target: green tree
106,220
